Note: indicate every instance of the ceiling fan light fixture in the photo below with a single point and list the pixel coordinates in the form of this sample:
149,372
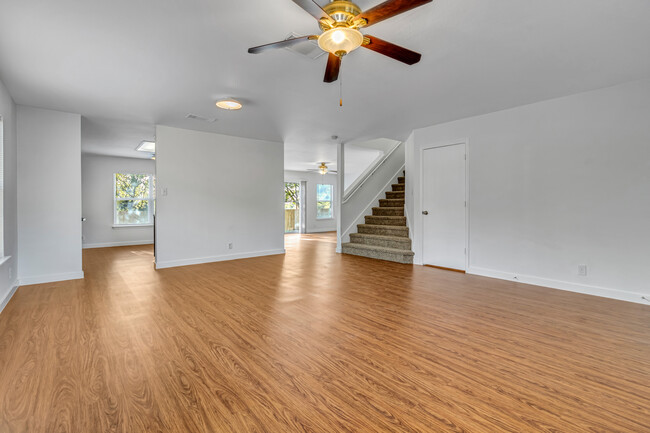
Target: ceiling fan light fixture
322,168
340,40
229,104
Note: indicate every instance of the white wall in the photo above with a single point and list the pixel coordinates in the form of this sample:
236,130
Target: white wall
361,158
553,185
8,268
49,195
314,225
220,190
358,161
97,192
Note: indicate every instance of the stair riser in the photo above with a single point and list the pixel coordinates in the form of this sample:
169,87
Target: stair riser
385,221
389,243
384,230
384,202
387,211
395,194
398,187
401,179
391,257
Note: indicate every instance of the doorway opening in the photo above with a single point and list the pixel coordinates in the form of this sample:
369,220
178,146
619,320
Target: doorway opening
292,207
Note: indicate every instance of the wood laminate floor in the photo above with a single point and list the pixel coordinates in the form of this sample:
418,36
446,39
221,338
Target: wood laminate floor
314,341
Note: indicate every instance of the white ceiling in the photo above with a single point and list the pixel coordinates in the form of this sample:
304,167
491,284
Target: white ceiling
152,62
114,137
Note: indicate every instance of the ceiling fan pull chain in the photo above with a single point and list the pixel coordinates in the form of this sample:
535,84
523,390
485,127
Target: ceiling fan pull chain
341,86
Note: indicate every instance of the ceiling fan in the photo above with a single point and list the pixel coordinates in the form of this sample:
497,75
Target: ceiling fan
322,168
340,21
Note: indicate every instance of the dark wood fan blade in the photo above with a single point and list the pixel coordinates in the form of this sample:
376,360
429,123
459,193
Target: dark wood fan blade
393,51
389,9
280,44
313,9
332,69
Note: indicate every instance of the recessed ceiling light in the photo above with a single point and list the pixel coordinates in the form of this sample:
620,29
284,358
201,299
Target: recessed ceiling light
147,146
229,104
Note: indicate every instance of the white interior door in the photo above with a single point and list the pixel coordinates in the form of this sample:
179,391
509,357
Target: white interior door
444,206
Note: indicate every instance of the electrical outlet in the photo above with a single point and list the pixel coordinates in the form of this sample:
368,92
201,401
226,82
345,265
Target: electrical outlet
230,245
582,270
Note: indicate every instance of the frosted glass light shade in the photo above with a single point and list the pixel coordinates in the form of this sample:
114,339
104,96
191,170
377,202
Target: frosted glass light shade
229,104
340,39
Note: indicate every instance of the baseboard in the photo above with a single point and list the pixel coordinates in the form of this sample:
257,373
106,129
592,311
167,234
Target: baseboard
202,260
604,292
118,244
7,298
51,278
321,231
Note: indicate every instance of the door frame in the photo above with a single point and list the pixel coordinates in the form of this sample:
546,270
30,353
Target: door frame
300,205
465,143
303,206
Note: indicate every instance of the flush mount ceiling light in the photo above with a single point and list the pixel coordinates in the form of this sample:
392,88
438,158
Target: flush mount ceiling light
229,104
147,146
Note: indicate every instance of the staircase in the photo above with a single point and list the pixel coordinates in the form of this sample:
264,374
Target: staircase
384,235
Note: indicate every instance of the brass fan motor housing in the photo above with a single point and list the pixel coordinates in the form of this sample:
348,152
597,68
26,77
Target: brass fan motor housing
342,12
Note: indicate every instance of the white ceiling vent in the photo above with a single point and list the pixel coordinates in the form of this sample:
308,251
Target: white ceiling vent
307,48
201,118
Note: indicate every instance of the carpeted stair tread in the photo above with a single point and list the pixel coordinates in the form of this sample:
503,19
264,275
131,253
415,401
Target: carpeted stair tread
377,252
401,179
391,202
398,187
395,194
398,242
401,231
387,220
387,211
378,248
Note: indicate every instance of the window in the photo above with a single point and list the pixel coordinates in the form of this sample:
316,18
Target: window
324,202
133,199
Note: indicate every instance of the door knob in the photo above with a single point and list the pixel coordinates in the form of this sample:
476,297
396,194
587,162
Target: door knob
425,212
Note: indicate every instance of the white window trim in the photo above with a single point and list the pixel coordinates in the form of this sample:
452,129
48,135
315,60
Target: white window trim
331,202
126,226
150,199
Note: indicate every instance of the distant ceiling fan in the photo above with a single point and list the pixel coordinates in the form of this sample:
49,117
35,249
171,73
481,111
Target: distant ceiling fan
322,169
340,21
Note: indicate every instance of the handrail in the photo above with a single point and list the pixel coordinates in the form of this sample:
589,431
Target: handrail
359,183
